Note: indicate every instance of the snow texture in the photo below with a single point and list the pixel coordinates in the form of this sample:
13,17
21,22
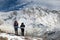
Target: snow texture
36,19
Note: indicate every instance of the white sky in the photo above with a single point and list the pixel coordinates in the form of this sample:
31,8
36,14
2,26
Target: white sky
50,4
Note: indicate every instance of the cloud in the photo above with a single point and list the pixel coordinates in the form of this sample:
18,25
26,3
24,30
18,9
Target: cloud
50,4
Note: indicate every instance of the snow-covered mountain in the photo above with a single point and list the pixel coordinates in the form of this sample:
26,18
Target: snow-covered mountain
37,20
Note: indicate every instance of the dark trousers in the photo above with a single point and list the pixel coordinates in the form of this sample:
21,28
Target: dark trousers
22,32
16,31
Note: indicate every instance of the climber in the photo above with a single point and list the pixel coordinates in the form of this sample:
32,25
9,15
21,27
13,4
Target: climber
16,27
22,29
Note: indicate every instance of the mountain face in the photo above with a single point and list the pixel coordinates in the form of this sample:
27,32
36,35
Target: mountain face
36,19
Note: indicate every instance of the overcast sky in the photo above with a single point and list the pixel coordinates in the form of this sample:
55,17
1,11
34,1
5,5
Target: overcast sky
50,4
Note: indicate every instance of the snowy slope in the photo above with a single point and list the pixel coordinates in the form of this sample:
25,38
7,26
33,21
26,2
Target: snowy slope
14,37
36,19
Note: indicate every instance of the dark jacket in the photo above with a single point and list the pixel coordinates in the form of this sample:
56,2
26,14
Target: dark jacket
22,25
15,23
